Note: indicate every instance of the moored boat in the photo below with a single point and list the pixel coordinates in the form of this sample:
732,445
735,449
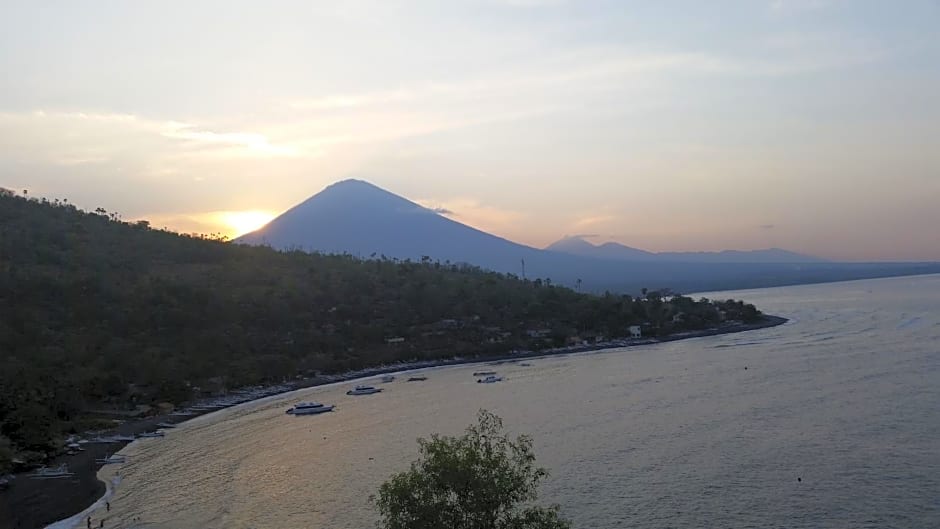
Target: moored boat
363,390
309,408
146,435
61,471
111,460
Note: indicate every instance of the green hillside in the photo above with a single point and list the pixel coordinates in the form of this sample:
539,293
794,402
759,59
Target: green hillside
96,312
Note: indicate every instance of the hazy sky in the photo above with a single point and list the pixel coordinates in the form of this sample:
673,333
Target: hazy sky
812,125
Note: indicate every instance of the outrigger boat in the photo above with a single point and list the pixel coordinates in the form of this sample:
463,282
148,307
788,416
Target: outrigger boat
112,460
145,435
61,471
363,390
309,408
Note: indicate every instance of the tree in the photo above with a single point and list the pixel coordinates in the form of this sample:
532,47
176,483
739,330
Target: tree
6,454
480,480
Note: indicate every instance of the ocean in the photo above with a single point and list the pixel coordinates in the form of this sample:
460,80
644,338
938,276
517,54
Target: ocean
831,420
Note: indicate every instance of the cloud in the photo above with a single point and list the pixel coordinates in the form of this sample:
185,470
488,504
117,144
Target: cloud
592,220
253,142
472,212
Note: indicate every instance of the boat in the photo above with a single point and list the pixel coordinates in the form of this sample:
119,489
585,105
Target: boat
484,373
111,460
309,408
388,378
417,379
489,379
100,439
146,435
61,471
363,390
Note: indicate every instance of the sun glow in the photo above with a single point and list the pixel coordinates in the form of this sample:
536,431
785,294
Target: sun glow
242,222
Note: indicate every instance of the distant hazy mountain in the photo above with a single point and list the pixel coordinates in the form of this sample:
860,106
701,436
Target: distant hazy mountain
358,218
610,250
579,246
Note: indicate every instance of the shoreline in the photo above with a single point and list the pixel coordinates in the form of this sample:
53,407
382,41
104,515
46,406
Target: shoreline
30,503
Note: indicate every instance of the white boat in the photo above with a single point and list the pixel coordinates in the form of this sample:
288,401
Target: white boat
111,460
363,390
61,471
489,379
150,434
309,408
388,378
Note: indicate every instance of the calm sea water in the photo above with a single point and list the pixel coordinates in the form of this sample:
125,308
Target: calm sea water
710,432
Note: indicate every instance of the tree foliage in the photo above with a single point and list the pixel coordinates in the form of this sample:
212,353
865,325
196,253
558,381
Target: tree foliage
96,312
480,480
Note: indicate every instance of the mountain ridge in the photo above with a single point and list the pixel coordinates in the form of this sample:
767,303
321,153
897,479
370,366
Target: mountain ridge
358,218
578,245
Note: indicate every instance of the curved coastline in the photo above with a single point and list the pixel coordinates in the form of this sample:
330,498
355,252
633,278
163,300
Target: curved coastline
71,514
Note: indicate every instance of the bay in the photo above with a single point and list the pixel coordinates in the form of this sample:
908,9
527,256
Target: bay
832,420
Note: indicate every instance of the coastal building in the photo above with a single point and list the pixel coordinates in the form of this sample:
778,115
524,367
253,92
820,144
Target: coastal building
538,333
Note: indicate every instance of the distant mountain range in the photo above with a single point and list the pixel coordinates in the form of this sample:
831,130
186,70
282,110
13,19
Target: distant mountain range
577,245
361,219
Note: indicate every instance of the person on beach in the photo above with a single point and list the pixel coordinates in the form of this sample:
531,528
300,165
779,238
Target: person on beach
107,506
88,522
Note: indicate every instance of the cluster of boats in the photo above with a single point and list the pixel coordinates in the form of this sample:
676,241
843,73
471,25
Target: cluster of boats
316,408
232,399
62,471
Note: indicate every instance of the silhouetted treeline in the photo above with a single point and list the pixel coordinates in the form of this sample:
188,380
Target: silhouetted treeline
96,312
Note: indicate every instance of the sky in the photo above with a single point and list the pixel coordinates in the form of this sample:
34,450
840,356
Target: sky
811,125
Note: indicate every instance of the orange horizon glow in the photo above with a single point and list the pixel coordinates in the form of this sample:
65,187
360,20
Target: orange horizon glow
237,223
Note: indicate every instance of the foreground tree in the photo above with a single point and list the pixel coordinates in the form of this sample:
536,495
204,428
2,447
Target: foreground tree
480,480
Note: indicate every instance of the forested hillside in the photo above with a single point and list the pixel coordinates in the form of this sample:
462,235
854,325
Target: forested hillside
96,312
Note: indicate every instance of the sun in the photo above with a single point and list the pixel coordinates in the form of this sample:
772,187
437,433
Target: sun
242,222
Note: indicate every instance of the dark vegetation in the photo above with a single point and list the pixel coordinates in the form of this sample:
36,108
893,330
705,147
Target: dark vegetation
482,479
99,313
